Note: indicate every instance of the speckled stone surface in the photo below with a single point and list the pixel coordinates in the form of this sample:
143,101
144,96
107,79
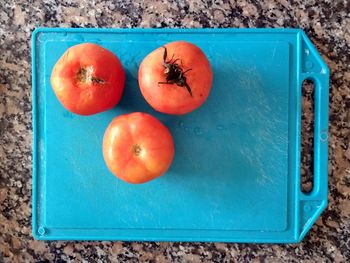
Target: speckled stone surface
326,22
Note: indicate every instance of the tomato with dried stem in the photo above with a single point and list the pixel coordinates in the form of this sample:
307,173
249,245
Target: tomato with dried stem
175,78
88,79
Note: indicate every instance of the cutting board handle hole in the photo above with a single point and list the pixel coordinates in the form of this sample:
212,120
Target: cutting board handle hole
307,136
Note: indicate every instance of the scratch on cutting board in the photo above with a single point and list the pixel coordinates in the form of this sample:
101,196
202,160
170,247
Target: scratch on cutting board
264,125
274,50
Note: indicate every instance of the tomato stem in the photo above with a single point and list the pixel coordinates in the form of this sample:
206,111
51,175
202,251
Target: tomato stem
136,149
86,75
174,73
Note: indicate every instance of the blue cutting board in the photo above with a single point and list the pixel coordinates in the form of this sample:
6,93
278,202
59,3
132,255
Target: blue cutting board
236,172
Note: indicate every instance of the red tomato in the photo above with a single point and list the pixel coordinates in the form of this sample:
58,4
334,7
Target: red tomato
137,147
88,79
176,79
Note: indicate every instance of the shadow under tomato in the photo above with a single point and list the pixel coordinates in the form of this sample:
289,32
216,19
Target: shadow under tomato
206,139
132,99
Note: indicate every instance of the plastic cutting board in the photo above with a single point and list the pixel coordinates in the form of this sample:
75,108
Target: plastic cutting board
236,172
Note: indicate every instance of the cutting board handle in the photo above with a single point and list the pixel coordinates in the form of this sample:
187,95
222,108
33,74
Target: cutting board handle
315,69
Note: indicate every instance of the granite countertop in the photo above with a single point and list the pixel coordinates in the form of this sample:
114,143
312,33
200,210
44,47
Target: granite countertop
327,23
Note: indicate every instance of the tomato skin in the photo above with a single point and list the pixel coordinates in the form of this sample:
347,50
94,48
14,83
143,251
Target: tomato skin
171,98
88,79
137,147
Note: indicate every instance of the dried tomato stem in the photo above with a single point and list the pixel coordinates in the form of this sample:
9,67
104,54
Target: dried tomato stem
174,73
86,75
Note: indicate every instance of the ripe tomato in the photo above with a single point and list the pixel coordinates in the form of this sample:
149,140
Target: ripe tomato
88,79
137,147
175,78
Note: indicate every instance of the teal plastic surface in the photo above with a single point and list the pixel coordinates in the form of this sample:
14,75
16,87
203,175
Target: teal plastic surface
236,172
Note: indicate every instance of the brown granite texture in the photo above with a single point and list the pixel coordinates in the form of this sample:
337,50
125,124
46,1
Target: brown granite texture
327,23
